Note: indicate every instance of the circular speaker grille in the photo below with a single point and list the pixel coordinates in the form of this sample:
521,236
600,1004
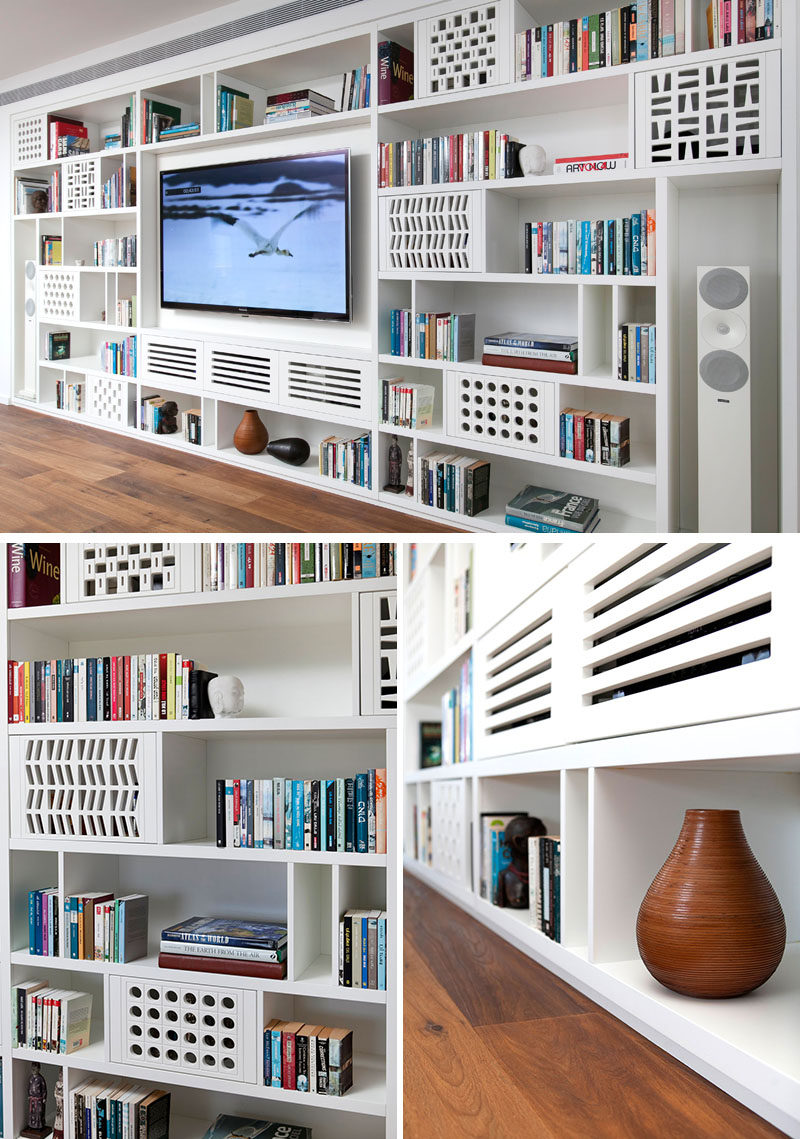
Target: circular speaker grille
724,371
30,307
30,270
723,288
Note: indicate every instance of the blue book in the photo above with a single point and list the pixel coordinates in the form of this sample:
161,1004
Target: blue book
242,932
323,814
362,829
91,688
651,339
382,953
349,815
562,435
37,917
638,353
636,253
586,247
60,691
242,565
276,1057
298,814
99,688
642,29
545,527
643,241
369,555
569,435
268,1056
364,953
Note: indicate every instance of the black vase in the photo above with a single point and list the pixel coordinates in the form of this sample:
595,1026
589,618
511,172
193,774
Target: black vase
293,451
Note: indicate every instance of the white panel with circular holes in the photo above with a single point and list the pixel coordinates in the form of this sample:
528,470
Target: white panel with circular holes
506,411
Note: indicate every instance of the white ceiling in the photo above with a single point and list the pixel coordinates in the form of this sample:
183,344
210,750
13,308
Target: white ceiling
38,33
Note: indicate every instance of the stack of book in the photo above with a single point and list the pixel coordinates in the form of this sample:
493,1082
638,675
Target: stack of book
112,141
362,949
119,356
453,482
613,246
304,814
647,30
547,511
227,1126
534,351
356,86
405,404
477,156
51,249
346,458
100,927
43,939
544,884
234,109
156,117
595,437
395,73
731,22
241,947
303,104
308,1057
116,251
179,130
109,1106
432,335
456,743
73,146
69,397
147,686
259,565
50,1019
636,353
59,127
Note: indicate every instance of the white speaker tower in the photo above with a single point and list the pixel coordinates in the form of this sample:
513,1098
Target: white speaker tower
723,399
31,354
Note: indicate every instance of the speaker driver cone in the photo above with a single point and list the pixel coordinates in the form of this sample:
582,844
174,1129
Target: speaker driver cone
724,371
723,288
723,330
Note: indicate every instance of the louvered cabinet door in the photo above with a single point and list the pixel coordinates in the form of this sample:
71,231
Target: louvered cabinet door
686,632
238,371
172,361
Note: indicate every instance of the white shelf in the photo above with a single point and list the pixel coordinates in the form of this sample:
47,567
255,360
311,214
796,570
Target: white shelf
600,378
416,685
339,120
213,729
517,278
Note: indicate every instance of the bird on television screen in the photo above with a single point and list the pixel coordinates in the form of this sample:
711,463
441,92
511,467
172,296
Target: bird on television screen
268,246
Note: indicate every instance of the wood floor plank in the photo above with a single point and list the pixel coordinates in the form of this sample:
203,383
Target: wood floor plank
60,476
454,1088
491,982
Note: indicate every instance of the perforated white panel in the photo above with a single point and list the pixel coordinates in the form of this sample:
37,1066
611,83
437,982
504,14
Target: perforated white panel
108,400
82,184
705,111
509,411
30,139
431,231
92,787
187,1027
462,50
124,569
59,294
325,383
450,812
167,359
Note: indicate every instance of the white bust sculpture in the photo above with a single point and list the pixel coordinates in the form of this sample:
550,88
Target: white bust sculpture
226,696
532,158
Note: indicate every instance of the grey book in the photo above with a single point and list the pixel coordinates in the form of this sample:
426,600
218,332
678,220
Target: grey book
133,915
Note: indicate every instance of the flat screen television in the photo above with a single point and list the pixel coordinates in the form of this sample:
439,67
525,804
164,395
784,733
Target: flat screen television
268,236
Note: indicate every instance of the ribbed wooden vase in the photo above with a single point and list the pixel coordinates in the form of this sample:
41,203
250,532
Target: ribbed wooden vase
251,436
711,925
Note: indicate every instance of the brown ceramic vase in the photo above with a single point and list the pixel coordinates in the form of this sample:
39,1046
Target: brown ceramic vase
711,925
251,436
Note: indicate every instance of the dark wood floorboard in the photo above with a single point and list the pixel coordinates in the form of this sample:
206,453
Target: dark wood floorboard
543,1060
58,476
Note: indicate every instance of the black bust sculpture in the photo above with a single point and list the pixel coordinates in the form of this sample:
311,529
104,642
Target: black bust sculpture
512,883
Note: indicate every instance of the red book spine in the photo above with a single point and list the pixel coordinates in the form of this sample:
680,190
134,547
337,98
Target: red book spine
550,50
271,970
530,365
580,446
584,49
296,562
127,688
237,803
486,154
162,682
114,710
249,564
288,1072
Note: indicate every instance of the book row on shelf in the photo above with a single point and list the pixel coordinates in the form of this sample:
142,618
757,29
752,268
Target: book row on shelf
63,134
649,29
347,458
636,353
38,195
160,416
541,894
118,357
147,686
126,314
69,396
121,1108
114,196
115,251
544,510
475,156
236,947
157,117
423,834
234,109
453,482
532,351
48,1019
362,949
258,565
432,335
731,22
404,404
327,815
594,437
308,1057
612,246
51,249
100,927
456,742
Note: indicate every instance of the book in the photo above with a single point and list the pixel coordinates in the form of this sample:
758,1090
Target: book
242,932
34,574
153,1114
395,73
234,1126
58,345
271,970
591,164
527,363
553,507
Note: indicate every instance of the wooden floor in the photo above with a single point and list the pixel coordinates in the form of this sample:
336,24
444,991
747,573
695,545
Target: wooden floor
57,476
496,1047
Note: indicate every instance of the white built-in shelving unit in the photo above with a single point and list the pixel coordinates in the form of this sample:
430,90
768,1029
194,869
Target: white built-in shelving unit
310,659
709,210
614,777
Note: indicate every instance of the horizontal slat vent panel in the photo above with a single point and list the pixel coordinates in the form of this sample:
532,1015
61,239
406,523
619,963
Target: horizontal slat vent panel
245,370
172,360
672,617
316,382
518,677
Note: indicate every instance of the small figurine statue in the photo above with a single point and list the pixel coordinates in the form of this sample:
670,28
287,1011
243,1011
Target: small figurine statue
410,464
512,883
226,697
395,465
39,202
58,1092
168,417
37,1100
532,159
